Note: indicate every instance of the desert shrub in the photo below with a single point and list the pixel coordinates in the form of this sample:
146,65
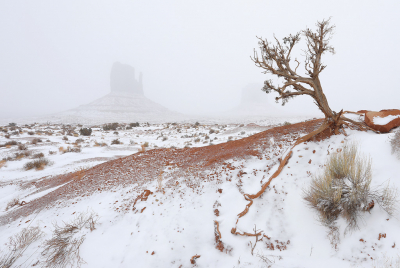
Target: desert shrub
22,147
7,136
134,125
344,189
14,202
21,155
115,133
165,138
38,155
197,140
116,141
70,150
36,140
3,163
110,126
62,250
99,144
37,164
395,143
85,131
77,141
9,143
65,138
18,244
211,131
31,133
12,124
52,152
286,123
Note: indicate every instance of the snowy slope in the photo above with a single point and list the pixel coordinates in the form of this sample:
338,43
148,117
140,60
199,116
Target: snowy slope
193,188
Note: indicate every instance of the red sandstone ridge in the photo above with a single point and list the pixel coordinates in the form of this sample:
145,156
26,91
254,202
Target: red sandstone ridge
384,120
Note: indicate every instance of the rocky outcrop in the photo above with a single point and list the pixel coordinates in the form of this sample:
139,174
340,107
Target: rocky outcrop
384,120
122,79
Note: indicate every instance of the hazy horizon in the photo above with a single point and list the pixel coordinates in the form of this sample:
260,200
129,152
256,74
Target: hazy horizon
194,56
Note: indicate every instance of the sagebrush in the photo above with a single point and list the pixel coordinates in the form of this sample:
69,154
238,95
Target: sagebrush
344,189
37,164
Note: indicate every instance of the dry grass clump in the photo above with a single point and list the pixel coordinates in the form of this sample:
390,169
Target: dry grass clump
22,147
344,189
14,202
36,140
38,155
18,244
9,144
97,144
3,163
69,150
62,250
395,143
38,164
116,141
22,154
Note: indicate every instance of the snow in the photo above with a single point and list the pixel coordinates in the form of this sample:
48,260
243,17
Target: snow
179,223
384,120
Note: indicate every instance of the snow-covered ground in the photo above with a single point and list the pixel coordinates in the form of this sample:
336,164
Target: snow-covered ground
164,220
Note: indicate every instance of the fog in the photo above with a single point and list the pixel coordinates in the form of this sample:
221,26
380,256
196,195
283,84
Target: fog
194,55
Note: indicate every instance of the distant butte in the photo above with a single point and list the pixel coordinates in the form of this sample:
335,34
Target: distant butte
126,102
122,79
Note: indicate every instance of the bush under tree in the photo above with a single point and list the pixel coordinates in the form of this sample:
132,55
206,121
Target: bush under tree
344,189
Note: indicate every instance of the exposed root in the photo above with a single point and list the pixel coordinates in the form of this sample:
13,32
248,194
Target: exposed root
325,126
221,246
362,126
193,259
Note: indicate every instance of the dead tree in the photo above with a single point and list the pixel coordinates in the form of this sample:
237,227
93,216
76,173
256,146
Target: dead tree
275,59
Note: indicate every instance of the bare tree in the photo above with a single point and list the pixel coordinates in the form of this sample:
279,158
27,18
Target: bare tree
275,59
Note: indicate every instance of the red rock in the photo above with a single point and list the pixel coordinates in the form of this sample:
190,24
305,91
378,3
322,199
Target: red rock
384,128
363,111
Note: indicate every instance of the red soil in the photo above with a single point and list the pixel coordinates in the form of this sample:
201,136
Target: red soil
144,167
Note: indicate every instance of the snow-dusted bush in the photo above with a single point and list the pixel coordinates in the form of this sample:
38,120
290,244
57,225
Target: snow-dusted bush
344,189
70,150
22,147
395,143
18,244
37,164
62,250
116,141
110,126
85,131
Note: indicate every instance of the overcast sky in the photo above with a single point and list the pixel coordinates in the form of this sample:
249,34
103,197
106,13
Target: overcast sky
194,55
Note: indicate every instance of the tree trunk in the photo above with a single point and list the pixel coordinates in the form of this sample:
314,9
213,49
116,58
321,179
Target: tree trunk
332,118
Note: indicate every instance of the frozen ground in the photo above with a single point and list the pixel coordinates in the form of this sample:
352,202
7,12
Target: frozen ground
159,195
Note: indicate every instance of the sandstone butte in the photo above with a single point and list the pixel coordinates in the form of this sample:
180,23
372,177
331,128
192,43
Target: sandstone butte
370,117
